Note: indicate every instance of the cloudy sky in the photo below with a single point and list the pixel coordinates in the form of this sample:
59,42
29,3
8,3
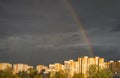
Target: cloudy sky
44,31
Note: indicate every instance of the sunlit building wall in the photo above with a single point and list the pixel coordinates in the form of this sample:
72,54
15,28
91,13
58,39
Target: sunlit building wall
84,65
70,67
21,67
79,65
4,66
52,69
58,67
77,69
85,62
41,68
101,63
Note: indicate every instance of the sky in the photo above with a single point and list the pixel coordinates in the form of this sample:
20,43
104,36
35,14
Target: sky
44,31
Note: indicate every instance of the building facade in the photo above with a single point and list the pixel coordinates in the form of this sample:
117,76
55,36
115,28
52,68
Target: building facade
41,68
85,62
114,67
21,67
4,66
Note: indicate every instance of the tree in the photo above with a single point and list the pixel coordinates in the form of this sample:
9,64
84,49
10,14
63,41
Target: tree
78,75
60,74
104,73
7,73
93,72
32,73
23,74
38,76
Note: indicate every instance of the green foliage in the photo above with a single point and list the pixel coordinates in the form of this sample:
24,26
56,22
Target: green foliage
32,73
38,76
94,72
104,73
78,75
60,74
23,74
7,73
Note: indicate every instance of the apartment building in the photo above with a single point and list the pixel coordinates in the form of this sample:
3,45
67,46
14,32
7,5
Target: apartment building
41,68
21,67
114,67
4,66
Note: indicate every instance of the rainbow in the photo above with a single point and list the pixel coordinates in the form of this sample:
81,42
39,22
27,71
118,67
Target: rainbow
82,29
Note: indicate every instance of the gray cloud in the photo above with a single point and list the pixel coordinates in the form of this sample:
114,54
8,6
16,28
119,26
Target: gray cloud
50,41
31,30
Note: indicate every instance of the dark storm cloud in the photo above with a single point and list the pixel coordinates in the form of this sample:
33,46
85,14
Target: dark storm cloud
33,17
51,41
116,29
31,30
6,1
36,29
98,13
102,21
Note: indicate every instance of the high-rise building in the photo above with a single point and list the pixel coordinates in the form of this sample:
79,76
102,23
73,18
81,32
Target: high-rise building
53,68
21,67
114,67
4,66
80,66
70,67
56,67
41,68
85,62
101,63
77,67
84,65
